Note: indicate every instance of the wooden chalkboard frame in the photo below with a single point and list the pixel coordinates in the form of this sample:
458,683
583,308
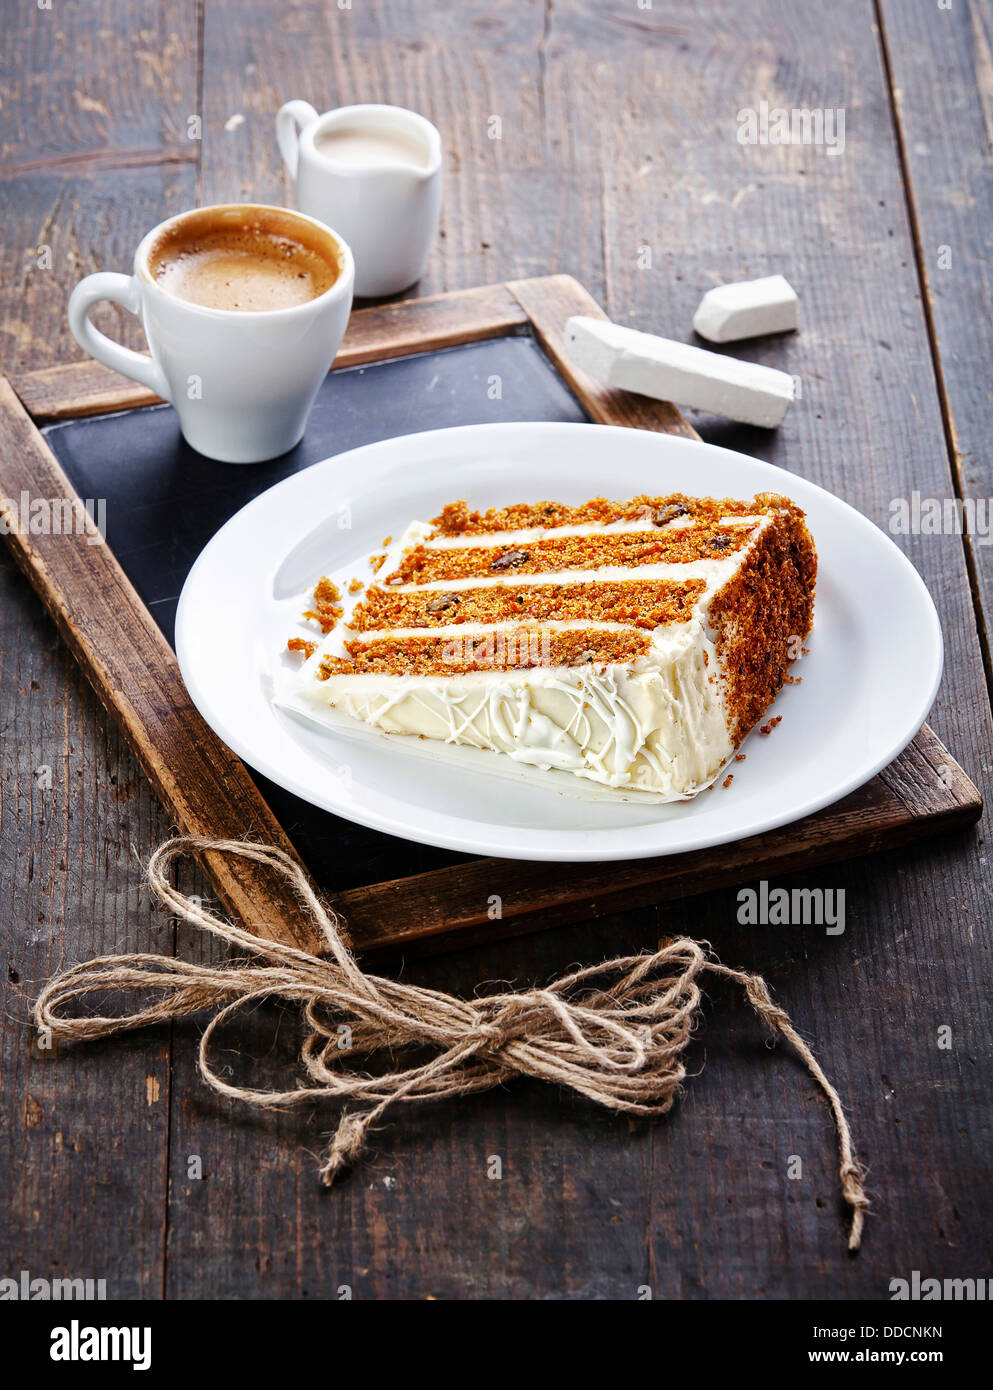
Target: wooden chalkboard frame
210,793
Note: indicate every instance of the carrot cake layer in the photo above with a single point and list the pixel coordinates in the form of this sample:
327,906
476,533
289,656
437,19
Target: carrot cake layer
519,649
642,603
457,520
426,564
631,643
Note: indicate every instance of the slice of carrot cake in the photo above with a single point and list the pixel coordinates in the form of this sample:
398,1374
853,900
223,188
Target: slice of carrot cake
632,643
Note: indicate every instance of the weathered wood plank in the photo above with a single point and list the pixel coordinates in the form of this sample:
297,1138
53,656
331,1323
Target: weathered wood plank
82,1145
918,781
941,65
59,226
87,81
89,94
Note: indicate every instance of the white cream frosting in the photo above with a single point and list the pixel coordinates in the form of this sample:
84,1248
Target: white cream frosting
657,724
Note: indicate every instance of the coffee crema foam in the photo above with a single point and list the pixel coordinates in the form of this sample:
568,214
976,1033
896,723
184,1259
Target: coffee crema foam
248,263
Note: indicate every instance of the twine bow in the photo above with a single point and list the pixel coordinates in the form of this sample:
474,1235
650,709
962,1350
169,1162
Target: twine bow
614,1032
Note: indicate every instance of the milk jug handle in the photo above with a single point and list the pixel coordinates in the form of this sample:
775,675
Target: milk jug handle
290,120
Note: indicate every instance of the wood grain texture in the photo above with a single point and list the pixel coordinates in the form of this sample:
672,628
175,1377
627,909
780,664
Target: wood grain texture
583,1214
60,225
94,101
94,150
588,1206
83,1151
941,65
80,82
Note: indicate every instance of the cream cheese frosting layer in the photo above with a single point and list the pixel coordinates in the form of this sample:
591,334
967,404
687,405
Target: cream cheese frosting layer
657,725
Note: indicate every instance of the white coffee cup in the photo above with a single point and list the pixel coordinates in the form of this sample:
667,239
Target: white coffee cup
387,211
242,381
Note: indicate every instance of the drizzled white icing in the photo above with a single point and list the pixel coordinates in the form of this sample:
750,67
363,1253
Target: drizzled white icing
658,723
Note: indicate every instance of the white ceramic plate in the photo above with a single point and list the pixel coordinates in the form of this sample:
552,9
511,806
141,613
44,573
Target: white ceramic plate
868,683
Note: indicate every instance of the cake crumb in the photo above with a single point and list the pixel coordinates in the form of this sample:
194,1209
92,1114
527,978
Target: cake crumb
327,605
728,780
355,586
740,757
768,728
300,644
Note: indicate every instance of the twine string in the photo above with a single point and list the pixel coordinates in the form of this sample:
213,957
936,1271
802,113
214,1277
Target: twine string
614,1032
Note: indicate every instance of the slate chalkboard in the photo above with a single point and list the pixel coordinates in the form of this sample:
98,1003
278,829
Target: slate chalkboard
406,366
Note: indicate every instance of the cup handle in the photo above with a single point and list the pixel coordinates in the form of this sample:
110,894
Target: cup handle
123,290
290,120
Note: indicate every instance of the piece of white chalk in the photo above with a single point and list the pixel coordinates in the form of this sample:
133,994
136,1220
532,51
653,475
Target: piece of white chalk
747,310
677,372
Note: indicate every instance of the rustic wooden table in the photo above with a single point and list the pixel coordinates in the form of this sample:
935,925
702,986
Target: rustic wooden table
618,161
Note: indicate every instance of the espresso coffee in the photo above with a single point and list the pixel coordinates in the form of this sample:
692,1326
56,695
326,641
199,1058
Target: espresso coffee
367,147
244,260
